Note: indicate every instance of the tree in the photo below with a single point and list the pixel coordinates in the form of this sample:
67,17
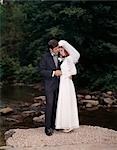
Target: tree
89,26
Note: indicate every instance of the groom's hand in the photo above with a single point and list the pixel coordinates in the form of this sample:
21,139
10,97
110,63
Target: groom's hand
58,73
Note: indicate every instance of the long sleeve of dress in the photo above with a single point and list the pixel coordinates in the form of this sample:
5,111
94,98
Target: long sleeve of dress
71,50
70,68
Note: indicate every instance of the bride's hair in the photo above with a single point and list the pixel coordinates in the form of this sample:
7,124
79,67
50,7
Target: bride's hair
66,53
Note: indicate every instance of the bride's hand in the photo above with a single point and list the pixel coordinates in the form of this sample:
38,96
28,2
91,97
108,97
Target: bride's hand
58,73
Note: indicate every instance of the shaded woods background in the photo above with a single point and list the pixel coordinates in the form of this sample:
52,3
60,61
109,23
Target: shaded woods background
91,27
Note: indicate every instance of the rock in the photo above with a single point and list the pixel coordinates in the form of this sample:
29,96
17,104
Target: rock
109,105
92,108
115,101
114,106
9,133
92,102
80,102
44,102
94,97
80,96
36,107
15,118
81,107
28,113
39,119
36,104
88,105
101,100
40,98
37,98
101,106
108,100
87,97
6,110
25,104
109,92
36,139
105,95
42,112
6,148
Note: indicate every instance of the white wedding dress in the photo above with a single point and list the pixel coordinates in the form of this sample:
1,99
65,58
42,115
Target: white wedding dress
67,110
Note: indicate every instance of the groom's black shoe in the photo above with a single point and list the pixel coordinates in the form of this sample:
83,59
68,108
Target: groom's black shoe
48,131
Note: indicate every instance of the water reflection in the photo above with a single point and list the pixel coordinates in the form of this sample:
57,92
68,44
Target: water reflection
15,94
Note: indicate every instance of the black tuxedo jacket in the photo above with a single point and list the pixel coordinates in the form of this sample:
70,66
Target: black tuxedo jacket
46,67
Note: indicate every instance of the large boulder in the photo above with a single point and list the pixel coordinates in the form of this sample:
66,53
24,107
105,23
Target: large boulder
36,139
6,110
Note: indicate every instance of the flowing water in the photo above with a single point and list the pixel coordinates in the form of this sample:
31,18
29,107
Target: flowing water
13,95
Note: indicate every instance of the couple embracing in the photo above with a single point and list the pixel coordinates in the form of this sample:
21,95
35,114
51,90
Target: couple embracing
57,67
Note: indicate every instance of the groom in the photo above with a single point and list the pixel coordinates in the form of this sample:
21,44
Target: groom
50,70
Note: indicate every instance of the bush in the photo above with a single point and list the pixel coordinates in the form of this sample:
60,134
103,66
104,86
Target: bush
10,71
8,67
27,74
97,78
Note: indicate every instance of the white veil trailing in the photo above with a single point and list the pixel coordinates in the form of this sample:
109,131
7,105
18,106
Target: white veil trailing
71,50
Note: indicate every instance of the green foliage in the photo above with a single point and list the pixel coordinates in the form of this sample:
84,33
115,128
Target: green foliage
8,66
11,71
27,74
106,82
26,27
103,78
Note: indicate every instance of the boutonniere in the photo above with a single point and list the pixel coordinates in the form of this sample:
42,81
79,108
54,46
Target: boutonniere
60,59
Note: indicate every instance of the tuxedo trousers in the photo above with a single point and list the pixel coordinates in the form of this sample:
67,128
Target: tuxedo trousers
51,105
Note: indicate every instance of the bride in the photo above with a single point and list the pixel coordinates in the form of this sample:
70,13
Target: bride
67,110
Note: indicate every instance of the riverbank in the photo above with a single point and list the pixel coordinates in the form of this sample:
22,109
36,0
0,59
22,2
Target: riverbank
83,138
35,109
24,108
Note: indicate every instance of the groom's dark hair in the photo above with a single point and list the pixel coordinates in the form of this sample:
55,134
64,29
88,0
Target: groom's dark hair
52,43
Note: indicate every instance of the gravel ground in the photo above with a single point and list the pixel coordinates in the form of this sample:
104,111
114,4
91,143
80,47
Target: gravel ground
83,138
